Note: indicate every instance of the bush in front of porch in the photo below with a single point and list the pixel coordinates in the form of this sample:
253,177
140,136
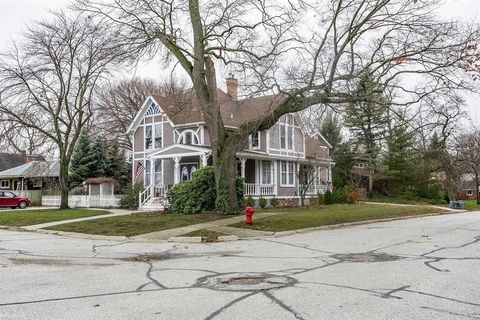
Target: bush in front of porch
198,195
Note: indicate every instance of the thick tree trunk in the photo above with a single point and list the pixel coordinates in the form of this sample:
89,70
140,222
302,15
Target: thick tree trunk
225,166
64,183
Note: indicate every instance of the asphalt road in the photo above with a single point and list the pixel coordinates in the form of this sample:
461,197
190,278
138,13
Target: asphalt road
424,268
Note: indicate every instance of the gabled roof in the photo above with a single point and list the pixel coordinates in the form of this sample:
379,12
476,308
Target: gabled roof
10,160
185,109
322,138
33,169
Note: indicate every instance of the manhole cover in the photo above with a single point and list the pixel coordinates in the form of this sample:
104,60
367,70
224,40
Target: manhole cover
245,281
365,257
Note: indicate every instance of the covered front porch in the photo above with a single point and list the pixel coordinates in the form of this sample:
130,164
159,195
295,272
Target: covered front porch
170,166
268,177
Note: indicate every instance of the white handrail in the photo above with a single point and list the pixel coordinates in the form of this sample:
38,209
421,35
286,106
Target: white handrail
259,189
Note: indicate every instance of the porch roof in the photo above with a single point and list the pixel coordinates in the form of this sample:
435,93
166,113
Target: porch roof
178,150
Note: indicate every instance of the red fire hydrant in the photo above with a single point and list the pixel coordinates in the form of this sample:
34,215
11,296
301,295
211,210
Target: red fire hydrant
249,211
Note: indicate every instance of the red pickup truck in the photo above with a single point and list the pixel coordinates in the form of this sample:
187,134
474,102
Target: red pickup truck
10,199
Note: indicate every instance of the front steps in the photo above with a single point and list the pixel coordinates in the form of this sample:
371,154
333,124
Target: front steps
155,204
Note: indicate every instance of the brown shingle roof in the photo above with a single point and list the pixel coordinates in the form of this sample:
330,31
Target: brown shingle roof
186,108
10,160
313,148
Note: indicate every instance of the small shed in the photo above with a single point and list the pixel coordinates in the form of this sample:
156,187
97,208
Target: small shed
102,187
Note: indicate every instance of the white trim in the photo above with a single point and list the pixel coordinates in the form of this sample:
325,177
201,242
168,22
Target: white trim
317,133
267,141
140,116
287,167
250,139
194,135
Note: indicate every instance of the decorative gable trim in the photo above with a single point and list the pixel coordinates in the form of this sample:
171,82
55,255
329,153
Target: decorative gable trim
318,134
150,107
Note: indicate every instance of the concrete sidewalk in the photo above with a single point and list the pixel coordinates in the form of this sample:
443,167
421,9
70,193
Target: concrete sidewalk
221,225
113,213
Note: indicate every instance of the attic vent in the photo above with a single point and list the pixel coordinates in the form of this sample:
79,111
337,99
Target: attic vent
153,110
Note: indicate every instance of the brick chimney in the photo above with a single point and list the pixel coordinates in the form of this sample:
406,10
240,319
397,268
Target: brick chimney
23,154
232,87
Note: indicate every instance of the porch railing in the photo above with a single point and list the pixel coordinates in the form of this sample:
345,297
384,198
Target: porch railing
314,189
152,192
258,189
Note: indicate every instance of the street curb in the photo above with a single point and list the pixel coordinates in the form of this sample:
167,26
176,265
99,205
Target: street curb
185,239
80,235
227,238
358,223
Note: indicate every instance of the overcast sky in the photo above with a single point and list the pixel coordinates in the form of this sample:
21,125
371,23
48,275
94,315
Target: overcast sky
15,14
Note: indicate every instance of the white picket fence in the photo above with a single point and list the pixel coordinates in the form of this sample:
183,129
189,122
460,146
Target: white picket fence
83,201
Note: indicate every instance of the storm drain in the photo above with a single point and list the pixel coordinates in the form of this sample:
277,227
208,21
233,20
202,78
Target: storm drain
245,282
365,257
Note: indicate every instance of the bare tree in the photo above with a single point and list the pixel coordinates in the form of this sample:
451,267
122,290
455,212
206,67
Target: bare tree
17,138
118,104
48,82
303,52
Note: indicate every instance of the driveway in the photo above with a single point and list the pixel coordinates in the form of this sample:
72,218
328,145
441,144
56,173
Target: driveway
422,268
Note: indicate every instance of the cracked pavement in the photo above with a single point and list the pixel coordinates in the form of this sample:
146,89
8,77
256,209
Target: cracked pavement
418,268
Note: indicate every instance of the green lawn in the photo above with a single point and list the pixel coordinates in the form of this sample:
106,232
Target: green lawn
471,205
300,218
137,224
18,218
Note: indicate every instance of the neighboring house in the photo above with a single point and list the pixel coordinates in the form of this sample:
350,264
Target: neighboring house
33,175
11,160
467,188
170,140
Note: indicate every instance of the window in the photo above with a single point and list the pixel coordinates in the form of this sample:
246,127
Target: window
5,184
153,133
37,184
158,173
287,173
148,172
255,140
158,135
286,136
266,172
188,137
148,137
469,193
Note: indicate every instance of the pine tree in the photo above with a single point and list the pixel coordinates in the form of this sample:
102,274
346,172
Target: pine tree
367,119
80,163
331,129
399,157
117,166
99,159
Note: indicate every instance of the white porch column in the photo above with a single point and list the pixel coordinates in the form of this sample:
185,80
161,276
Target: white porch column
329,173
204,158
242,167
176,171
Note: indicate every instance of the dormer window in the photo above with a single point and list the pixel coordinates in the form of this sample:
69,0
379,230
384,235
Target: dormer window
255,140
189,137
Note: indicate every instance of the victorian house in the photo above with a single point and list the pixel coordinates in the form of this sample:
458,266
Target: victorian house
170,141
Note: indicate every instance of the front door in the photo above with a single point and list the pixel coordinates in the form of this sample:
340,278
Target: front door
186,170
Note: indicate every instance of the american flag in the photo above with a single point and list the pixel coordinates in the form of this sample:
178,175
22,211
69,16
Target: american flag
139,171
330,186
